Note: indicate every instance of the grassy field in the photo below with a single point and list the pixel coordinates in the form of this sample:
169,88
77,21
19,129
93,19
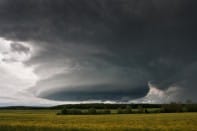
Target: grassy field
47,120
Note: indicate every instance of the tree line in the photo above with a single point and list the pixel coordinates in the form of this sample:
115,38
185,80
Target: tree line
130,109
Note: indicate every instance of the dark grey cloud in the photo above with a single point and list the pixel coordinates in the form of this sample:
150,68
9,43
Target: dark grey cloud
109,83
16,47
97,92
88,46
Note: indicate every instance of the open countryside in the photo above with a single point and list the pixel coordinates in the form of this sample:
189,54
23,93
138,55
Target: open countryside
41,120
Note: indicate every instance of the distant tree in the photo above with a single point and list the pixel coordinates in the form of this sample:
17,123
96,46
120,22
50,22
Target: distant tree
74,111
92,111
185,108
172,107
145,110
140,109
128,110
119,111
64,111
106,111
191,107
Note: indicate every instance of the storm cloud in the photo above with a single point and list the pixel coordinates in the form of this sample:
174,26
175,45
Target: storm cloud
109,50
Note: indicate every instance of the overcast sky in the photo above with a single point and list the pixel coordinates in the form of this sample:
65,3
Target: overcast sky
74,51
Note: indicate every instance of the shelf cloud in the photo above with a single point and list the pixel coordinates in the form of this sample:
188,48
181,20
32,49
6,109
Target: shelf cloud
81,51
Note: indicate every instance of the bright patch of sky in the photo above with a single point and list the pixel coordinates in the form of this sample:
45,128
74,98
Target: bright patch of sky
16,77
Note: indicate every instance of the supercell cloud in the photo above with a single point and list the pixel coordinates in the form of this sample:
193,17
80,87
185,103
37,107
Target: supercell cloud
71,51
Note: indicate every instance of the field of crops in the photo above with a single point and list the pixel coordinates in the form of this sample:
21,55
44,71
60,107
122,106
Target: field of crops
47,120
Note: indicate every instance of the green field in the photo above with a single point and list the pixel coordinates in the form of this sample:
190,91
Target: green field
47,120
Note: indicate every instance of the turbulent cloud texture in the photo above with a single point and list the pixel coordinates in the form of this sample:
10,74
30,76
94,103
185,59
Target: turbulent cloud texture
109,50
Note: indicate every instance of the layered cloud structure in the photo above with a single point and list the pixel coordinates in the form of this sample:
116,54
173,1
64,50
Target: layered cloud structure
70,51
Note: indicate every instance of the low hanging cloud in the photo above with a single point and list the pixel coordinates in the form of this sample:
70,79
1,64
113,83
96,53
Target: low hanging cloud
99,50
157,95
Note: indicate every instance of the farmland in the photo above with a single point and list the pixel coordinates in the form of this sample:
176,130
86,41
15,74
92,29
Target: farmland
40,120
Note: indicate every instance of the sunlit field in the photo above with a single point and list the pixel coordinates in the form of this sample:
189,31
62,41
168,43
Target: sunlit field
41,120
